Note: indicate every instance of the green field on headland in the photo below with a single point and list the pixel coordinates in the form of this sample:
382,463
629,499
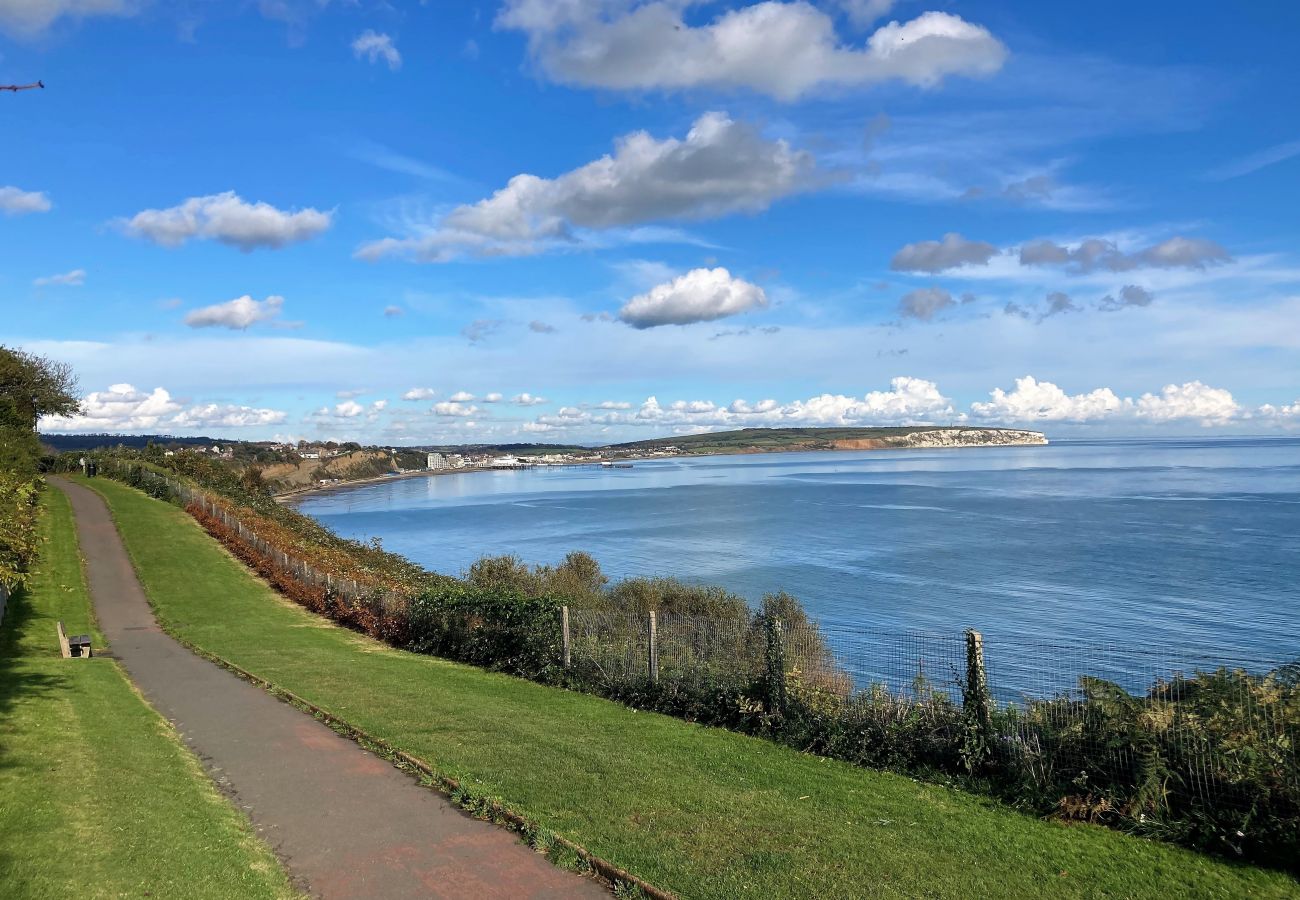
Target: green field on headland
699,811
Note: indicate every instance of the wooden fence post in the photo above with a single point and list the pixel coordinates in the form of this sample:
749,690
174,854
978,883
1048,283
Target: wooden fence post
654,649
977,745
564,627
775,666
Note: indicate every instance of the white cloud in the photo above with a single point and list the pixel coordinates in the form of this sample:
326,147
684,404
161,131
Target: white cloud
237,314
527,399
1193,400
120,408
17,202
461,397
75,278
936,256
781,49
228,219
862,13
28,18
721,167
1042,401
123,408
448,408
493,397
214,415
376,46
908,401
701,295
925,303
419,393
348,409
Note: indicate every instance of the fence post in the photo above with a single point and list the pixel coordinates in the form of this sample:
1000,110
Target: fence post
564,630
654,649
976,742
775,666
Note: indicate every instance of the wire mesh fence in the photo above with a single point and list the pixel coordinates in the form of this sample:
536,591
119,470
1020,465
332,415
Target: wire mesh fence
1137,727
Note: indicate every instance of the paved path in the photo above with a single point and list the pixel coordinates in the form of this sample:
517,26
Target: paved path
344,822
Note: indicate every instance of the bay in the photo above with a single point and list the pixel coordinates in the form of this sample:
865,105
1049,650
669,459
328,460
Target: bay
1177,546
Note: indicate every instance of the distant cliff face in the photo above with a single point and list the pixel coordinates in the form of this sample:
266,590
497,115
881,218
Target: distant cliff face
947,437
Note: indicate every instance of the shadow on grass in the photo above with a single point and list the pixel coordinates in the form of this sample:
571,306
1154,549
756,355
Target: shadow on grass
18,681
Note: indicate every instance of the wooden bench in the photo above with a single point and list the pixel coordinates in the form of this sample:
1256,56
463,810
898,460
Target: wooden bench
75,647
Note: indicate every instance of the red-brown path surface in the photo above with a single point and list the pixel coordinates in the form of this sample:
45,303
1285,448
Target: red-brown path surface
343,821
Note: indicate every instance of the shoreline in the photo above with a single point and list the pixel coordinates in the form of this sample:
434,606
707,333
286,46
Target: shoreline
315,489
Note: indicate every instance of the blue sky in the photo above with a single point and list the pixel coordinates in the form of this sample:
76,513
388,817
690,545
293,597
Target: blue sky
593,220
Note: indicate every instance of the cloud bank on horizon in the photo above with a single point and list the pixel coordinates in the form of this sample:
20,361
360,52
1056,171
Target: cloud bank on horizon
595,220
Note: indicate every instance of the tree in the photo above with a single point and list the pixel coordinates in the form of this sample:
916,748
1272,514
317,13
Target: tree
32,386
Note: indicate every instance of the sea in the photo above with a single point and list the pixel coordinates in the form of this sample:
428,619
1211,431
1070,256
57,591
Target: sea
1175,546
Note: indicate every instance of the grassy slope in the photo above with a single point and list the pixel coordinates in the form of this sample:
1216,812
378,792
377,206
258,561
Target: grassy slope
97,795
702,812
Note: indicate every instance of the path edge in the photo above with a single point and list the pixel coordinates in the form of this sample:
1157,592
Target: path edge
497,813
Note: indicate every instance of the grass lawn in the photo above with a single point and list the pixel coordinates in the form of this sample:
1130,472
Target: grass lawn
698,811
97,795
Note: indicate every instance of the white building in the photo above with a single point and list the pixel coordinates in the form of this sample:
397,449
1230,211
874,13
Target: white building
438,461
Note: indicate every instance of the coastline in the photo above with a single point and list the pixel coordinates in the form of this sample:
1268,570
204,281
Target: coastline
316,489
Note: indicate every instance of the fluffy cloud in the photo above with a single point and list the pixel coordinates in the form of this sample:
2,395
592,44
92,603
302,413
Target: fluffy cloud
925,303
701,295
1097,254
237,314
781,49
908,401
527,399
1034,400
227,218
1043,401
123,408
1193,400
494,397
28,18
348,409
376,46
448,408
720,167
120,408
936,256
75,278
214,415
419,393
461,397
17,202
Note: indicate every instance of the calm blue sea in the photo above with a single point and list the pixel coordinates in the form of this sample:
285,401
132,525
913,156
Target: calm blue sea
1169,543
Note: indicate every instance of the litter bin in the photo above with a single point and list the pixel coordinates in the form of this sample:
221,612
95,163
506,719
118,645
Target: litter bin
90,469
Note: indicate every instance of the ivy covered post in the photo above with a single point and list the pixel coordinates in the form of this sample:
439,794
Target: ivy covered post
654,649
977,718
775,676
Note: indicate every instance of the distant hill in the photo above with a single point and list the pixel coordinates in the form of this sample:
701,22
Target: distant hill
66,442
753,440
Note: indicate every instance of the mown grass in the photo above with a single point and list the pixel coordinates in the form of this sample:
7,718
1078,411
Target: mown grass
97,795
701,812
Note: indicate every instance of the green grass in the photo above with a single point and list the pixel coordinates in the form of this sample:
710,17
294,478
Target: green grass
701,812
97,795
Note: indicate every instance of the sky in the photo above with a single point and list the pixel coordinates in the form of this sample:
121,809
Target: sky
599,220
